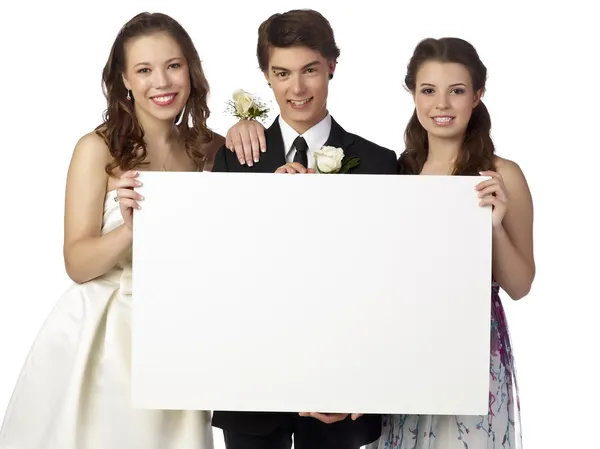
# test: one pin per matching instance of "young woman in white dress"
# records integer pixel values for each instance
(74, 389)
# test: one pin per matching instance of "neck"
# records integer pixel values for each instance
(302, 126)
(443, 151)
(157, 132)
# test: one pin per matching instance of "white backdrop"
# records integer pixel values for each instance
(542, 95)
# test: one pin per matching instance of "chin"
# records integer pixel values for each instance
(448, 136)
(167, 114)
(297, 116)
(306, 116)
(165, 117)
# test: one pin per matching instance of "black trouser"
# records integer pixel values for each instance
(308, 433)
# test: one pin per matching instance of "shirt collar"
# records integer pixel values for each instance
(315, 137)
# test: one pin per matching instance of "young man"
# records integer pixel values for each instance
(297, 53)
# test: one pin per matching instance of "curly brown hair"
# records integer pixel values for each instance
(120, 129)
(477, 151)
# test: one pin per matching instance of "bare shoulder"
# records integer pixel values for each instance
(91, 148)
(88, 163)
(511, 173)
(87, 182)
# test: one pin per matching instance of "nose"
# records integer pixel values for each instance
(298, 85)
(161, 79)
(443, 102)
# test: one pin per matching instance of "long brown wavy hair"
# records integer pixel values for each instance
(120, 129)
(477, 151)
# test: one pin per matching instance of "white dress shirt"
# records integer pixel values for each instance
(315, 138)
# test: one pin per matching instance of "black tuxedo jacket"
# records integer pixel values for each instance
(374, 159)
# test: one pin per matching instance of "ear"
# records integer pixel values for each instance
(266, 75)
(332, 65)
(477, 97)
(125, 82)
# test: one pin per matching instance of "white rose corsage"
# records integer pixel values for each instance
(329, 160)
(246, 106)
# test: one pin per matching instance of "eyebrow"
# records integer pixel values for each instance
(451, 85)
(310, 64)
(167, 62)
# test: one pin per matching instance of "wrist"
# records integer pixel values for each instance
(126, 233)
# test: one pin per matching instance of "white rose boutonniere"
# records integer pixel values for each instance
(246, 106)
(329, 160)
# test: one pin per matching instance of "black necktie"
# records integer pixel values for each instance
(301, 147)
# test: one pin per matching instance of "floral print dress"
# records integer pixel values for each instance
(500, 429)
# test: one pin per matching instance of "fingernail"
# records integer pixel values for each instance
(142, 198)
(263, 150)
(138, 183)
(256, 160)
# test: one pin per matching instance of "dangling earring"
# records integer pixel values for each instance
(128, 94)
(269, 84)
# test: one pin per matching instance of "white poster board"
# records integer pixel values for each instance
(347, 293)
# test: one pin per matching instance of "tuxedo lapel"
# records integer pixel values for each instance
(339, 138)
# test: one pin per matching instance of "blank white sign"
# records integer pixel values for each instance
(348, 293)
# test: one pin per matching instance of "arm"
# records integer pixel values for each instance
(513, 263)
(87, 253)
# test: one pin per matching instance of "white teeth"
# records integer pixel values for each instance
(163, 99)
(443, 119)
(299, 103)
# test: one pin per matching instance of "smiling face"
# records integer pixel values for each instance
(157, 74)
(299, 77)
(444, 99)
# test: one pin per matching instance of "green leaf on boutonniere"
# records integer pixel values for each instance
(246, 106)
(349, 164)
